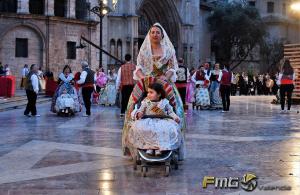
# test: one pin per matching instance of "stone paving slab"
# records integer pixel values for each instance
(77, 155)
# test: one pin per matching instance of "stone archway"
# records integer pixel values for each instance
(35, 47)
(164, 12)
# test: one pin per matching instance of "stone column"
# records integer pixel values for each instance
(71, 9)
(23, 7)
(49, 7)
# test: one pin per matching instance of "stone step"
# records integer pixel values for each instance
(17, 98)
(15, 104)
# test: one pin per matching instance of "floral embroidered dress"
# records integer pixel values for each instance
(65, 101)
(109, 93)
(190, 90)
(65, 84)
(201, 92)
(154, 133)
(215, 99)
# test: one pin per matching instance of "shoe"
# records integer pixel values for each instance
(85, 115)
(122, 115)
(28, 115)
(157, 152)
(150, 152)
(223, 111)
(37, 115)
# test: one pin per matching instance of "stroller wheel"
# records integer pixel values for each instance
(144, 171)
(135, 163)
(167, 171)
(175, 161)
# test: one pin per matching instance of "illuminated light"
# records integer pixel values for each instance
(104, 11)
(105, 2)
(114, 2)
(296, 6)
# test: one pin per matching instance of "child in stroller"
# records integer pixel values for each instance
(65, 104)
(155, 131)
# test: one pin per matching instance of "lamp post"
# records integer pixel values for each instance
(101, 10)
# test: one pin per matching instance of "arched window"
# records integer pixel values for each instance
(8, 6)
(112, 50)
(81, 9)
(36, 7)
(119, 49)
(60, 8)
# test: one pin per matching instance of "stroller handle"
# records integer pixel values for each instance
(157, 116)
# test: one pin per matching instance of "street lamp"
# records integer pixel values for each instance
(101, 10)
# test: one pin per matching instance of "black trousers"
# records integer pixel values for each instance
(182, 92)
(86, 95)
(31, 105)
(288, 90)
(225, 95)
(126, 92)
(233, 89)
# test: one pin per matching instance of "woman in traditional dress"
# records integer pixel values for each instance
(66, 83)
(190, 88)
(201, 81)
(110, 91)
(156, 63)
(216, 101)
(101, 80)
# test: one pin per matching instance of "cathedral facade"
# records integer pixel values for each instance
(47, 32)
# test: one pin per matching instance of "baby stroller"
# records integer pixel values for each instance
(67, 104)
(166, 158)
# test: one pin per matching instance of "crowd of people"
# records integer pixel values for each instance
(4, 70)
(247, 84)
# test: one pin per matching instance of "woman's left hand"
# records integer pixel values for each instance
(163, 77)
(169, 75)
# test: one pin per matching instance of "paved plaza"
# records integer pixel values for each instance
(82, 156)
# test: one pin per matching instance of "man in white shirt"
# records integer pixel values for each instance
(207, 70)
(32, 89)
(87, 81)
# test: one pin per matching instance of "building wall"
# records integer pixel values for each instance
(47, 38)
(48, 34)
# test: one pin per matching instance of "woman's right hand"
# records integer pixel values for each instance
(140, 74)
(163, 77)
(139, 115)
